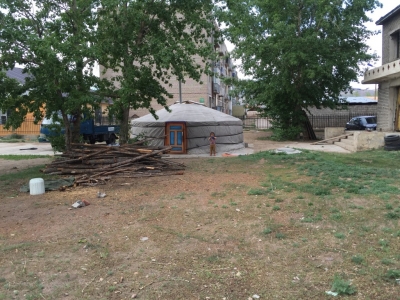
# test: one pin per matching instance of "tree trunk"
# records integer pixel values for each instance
(125, 128)
(68, 133)
(76, 127)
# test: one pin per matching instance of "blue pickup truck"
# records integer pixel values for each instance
(90, 132)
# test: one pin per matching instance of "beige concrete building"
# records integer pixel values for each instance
(212, 92)
(388, 74)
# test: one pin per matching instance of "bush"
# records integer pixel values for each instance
(286, 133)
(57, 139)
(342, 287)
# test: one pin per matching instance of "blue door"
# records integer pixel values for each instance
(175, 137)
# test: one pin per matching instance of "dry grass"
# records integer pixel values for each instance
(209, 235)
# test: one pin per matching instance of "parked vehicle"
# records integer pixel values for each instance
(362, 123)
(90, 132)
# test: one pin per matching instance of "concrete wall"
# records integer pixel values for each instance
(331, 132)
(370, 110)
(388, 42)
(367, 140)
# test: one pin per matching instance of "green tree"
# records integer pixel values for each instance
(146, 43)
(300, 53)
(54, 42)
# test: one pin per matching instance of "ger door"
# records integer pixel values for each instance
(176, 137)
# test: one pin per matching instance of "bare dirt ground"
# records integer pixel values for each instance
(197, 236)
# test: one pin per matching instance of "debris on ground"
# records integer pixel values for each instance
(331, 293)
(52, 185)
(101, 194)
(95, 164)
(287, 150)
(80, 203)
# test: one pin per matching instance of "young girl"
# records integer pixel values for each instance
(212, 140)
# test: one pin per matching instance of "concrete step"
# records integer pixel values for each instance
(348, 141)
(346, 146)
(350, 137)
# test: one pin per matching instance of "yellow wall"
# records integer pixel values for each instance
(28, 127)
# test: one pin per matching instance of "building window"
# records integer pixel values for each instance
(3, 117)
(398, 44)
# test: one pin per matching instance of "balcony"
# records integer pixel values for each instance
(216, 88)
(383, 73)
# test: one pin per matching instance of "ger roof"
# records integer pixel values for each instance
(17, 74)
(388, 16)
(189, 113)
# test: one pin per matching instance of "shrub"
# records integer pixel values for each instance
(342, 286)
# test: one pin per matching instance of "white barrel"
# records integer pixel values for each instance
(36, 186)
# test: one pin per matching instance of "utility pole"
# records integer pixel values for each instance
(180, 91)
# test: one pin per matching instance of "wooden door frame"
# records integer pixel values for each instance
(184, 140)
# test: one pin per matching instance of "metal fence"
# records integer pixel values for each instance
(317, 121)
(339, 120)
(256, 123)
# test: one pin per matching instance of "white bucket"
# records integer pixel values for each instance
(36, 186)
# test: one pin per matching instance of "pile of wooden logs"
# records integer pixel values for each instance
(95, 164)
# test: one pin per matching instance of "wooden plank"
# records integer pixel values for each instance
(334, 138)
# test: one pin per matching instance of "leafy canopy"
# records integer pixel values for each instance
(300, 53)
(53, 41)
(146, 43)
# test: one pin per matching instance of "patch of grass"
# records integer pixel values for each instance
(257, 191)
(384, 243)
(342, 286)
(24, 174)
(357, 259)
(280, 236)
(336, 216)
(22, 246)
(340, 235)
(218, 194)
(22, 157)
(181, 196)
(387, 261)
(310, 217)
(392, 274)
(267, 230)
(276, 208)
(393, 215)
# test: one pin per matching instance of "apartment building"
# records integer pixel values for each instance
(212, 91)
(387, 76)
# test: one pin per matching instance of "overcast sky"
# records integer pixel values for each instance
(374, 42)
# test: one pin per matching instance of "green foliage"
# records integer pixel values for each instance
(267, 230)
(148, 44)
(57, 139)
(357, 259)
(299, 53)
(342, 286)
(392, 274)
(257, 191)
(55, 43)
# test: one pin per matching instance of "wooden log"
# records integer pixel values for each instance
(81, 158)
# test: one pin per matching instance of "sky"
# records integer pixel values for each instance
(375, 42)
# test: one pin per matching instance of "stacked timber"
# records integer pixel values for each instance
(95, 164)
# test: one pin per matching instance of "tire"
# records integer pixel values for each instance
(392, 148)
(392, 138)
(392, 143)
